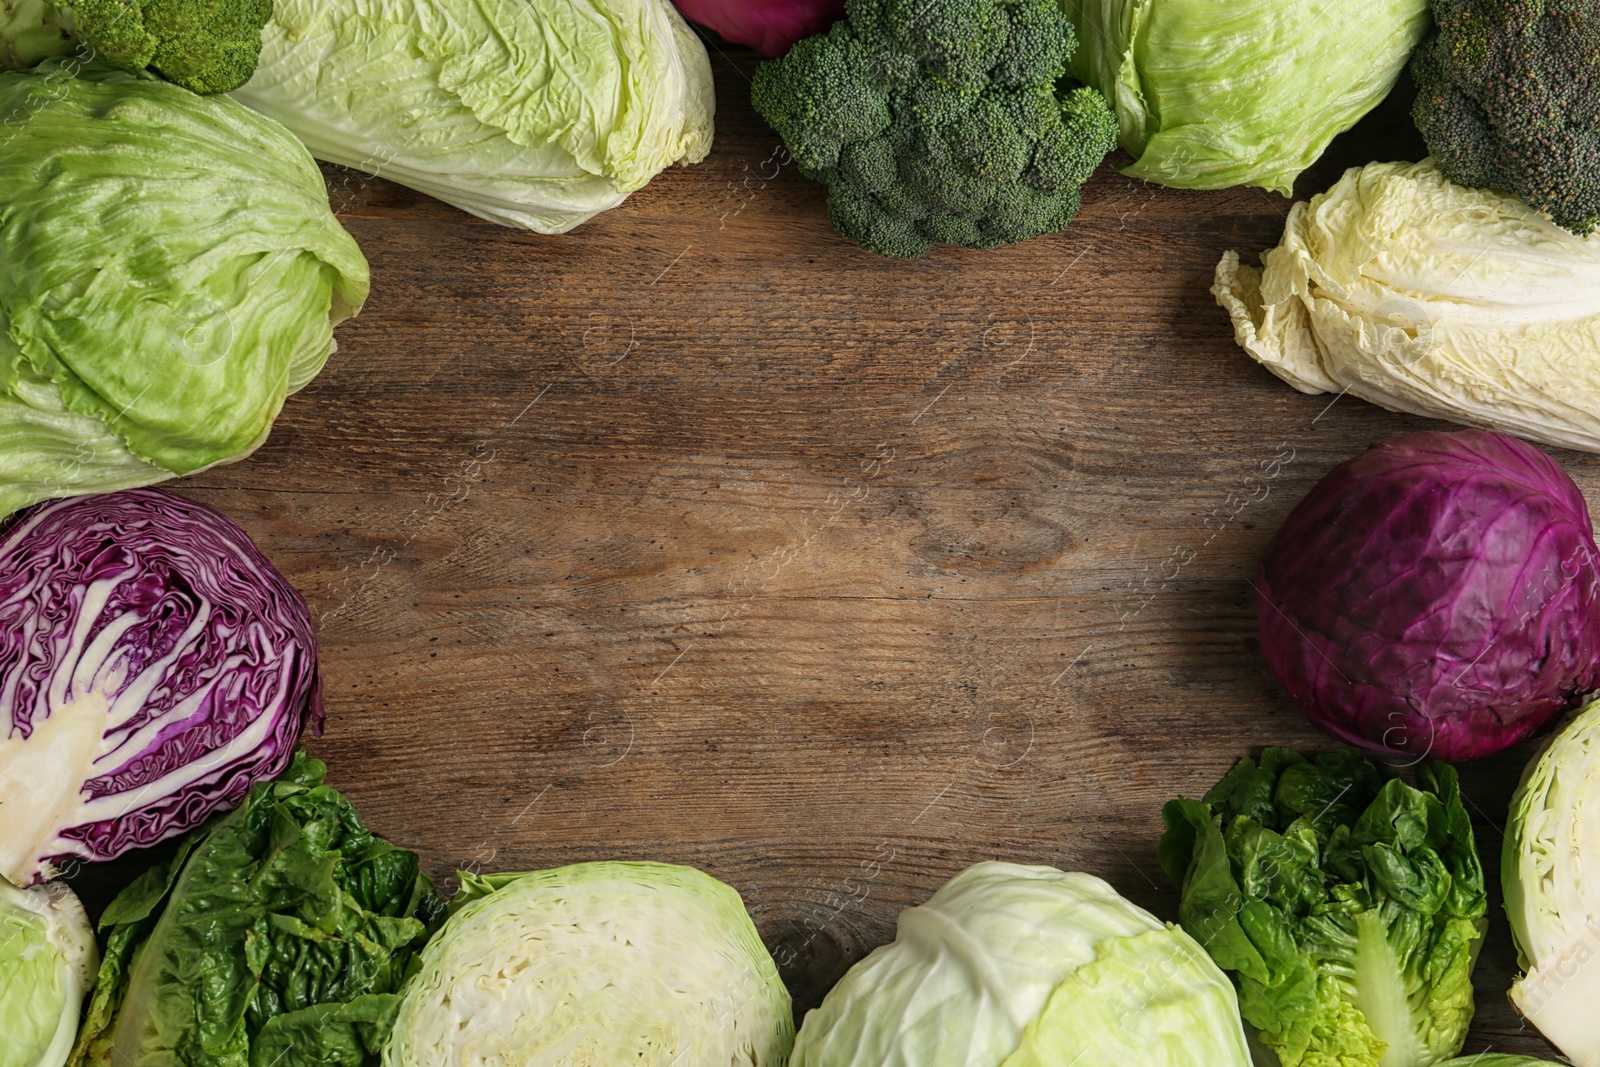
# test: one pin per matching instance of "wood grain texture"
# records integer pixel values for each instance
(702, 535)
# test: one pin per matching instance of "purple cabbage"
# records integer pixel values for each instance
(768, 26)
(1437, 594)
(153, 665)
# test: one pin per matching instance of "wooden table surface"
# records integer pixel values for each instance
(702, 535)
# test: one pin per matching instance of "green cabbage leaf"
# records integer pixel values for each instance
(534, 113)
(1016, 966)
(172, 272)
(32, 31)
(1348, 909)
(279, 936)
(1550, 873)
(1216, 93)
(645, 964)
(47, 963)
(1422, 296)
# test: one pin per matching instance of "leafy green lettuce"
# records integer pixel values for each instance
(279, 936)
(172, 272)
(1348, 909)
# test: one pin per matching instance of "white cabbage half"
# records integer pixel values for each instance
(644, 964)
(1422, 296)
(531, 113)
(47, 963)
(1014, 966)
(1550, 870)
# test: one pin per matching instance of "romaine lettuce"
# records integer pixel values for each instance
(280, 936)
(1348, 909)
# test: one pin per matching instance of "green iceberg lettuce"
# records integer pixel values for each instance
(172, 273)
(1215, 93)
(1017, 966)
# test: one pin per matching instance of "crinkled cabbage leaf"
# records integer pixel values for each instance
(645, 964)
(1216, 93)
(1422, 296)
(172, 273)
(531, 113)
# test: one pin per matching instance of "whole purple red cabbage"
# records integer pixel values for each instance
(153, 665)
(768, 26)
(1438, 594)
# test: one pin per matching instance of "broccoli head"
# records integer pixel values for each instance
(940, 121)
(1509, 99)
(208, 46)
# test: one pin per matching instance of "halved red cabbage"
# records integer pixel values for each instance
(1437, 594)
(153, 664)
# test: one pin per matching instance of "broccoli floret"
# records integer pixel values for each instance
(1509, 99)
(208, 46)
(940, 121)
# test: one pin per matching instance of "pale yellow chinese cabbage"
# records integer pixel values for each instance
(531, 113)
(1422, 296)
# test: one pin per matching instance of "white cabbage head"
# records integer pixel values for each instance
(1013, 966)
(644, 964)
(532, 113)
